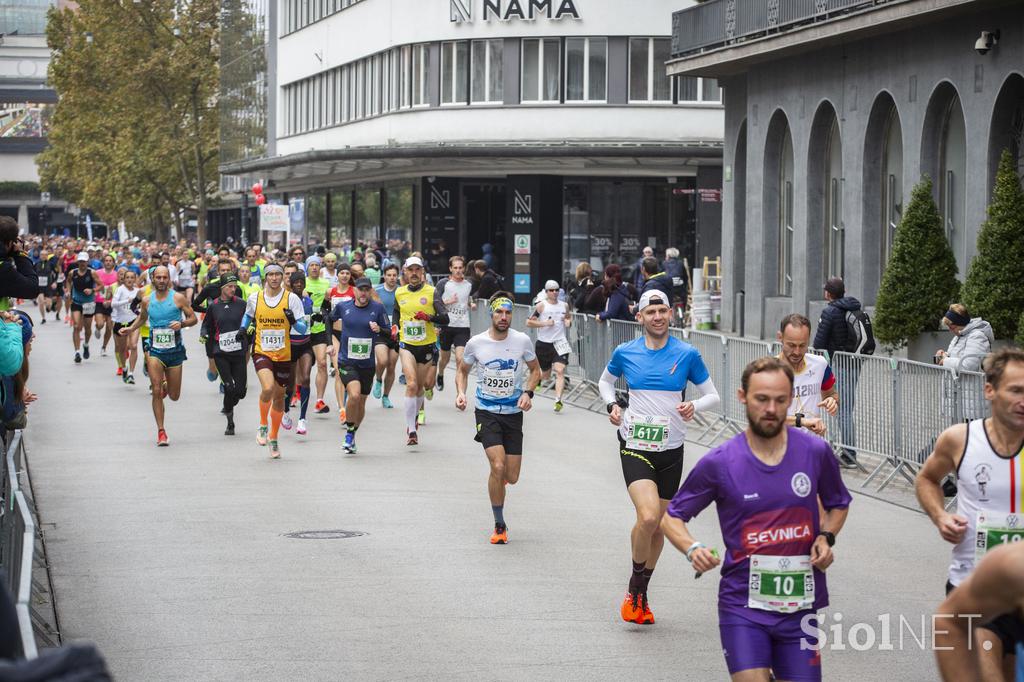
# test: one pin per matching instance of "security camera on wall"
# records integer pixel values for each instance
(986, 42)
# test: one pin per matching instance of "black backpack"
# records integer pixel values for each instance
(859, 336)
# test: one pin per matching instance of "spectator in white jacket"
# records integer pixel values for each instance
(972, 340)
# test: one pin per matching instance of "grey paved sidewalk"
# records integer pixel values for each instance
(174, 561)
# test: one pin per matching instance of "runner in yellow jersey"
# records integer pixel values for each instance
(272, 314)
(418, 309)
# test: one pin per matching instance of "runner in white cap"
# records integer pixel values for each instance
(551, 317)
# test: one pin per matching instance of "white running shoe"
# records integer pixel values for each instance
(286, 422)
(301, 429)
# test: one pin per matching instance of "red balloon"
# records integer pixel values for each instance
(261, 199)
(257, 189)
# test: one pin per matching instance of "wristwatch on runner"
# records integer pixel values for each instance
(830, 538)
(799, 419)
(529, 393)
(610, 406)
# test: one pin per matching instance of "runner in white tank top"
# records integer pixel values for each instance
(551, 318)
(987, 458)
(814, 385)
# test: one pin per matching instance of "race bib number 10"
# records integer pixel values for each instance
(783, 584)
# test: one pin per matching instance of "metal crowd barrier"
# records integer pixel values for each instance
(890, 410)
(18, 539)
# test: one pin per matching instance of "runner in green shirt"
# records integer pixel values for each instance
(320, 337)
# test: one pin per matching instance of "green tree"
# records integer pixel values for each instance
(1019, 339)
(920, 278)
(993, 288)
(134, 135)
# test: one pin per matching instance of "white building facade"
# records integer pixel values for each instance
(447, 125)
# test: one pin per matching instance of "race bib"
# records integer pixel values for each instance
(562, 347)
(162, 338)
(783, 584)
(229, 342)
(499, 383)
(272, 339)
(992, 530)
(458, 316)
(647, 433)
(89, 308)
(42, 280)
(359, 349)
(414, 330)
(335, 300)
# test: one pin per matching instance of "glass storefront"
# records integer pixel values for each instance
(358, 218)
(341, 219)
(611, 221)
(399, 220)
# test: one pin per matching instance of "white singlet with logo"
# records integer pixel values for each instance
(551, 311)
(987, 483)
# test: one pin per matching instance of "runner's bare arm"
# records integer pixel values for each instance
(995, 587)
(534, 319)
(140, 320)
(677, 532)
(186, 309)
(945, 459)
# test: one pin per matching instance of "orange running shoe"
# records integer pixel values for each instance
(161, 438)
(646, 615)
(342, 415)
(632, 611)
(120, 371)
(500, 535)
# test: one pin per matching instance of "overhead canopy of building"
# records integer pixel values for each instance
(379, 164)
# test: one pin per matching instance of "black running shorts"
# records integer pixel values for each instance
(546, 356)
(364, 375)
(505, 430)
(453, 337)
(424, 355)
(664, 468)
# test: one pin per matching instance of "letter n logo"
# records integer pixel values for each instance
(523, 204)
(460, 11)
(440, 198)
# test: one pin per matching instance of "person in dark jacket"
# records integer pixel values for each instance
(18, 278)
(489, 284)
(675, 269)
(833, 335)
(581, 290)
(637, 279)
(656, 279)
(618, 298)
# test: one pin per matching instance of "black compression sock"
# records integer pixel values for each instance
(646, 579)
(636, 579)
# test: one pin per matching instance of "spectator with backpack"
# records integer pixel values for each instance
(844, 327)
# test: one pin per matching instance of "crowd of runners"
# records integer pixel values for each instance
(305, 321)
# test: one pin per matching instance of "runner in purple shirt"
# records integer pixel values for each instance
(766, 483)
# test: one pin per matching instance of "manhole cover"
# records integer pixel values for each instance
(324, 534)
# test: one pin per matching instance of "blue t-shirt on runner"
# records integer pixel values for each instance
(356, 335)
(387, 298)
(656, 381)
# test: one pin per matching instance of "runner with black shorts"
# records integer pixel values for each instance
(551, 318)
(316, 289)
(455, 295)
(987, 458)
(767, 484)
(651, 431)
(361, 319)
(386, 345)
(418, 312)
(503, 354)
(126, 348)
(302, 354)
(84, 283)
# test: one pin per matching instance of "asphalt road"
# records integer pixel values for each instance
(177, 563)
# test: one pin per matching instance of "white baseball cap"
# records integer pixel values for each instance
(652, 297)
(83, 257)
(413, 260)
(551, 284)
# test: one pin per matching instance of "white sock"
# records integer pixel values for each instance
(410, 413)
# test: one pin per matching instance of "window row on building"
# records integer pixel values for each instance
(297, 14)
(473, 72)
